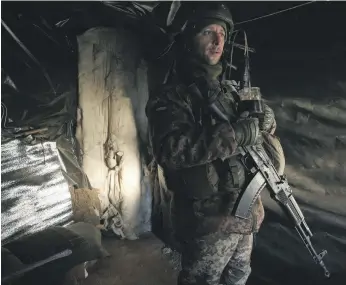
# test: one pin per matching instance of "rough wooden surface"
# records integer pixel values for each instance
(86, 206)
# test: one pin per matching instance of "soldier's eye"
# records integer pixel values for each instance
(207, 32)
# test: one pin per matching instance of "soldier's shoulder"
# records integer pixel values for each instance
(230, 91)
(162, 95)
(230, 85)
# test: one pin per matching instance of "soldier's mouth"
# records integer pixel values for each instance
(214, 52)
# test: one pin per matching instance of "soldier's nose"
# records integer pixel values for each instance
(217, 39)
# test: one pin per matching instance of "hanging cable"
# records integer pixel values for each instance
(275, 13)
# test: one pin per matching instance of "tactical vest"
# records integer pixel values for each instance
(203, 197)
(202, 181)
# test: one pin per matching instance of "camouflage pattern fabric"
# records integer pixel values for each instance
(184, 137)
(179, 138)
(216, 259)
(198, 156)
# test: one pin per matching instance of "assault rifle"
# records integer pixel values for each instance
(263, 170)
(265, 175)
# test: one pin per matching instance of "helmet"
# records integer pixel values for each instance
(214, 11)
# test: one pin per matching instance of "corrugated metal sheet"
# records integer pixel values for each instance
(34, 192)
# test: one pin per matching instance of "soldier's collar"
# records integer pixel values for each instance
(191, 67)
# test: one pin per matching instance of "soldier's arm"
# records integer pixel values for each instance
(178, 141)
(269, 124)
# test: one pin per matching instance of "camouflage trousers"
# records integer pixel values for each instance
(216, 259)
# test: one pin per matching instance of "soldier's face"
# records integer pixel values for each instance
(209, 43)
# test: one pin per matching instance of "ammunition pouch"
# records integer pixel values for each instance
(200, 182)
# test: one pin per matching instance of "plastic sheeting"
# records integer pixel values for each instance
(70, 162)
(34, 192)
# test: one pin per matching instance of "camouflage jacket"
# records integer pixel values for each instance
(198, 154)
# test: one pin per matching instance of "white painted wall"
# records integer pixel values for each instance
(113, 92)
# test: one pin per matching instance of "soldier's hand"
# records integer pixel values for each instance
(247, 131)
(267, 123)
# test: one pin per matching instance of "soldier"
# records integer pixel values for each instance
(199, 158)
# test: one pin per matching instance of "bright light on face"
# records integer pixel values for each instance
(209, 43)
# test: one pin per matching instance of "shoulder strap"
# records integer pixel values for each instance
(230, 90)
